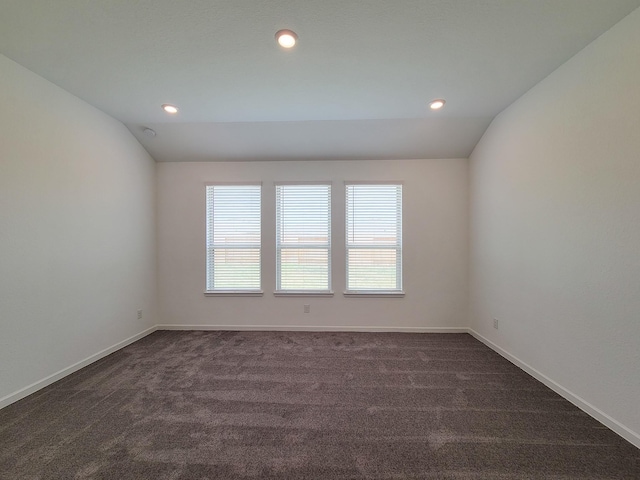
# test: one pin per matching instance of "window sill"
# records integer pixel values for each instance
(294, 293)
(374, 294)
(234, 293)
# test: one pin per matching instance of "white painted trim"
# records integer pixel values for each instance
(579, 402)
(34, 387)
(373, 294)
(302, 293)
(314, 328)
(234, 293)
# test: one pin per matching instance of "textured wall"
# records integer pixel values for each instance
(555, 227)
(77, 230)
(435, 246)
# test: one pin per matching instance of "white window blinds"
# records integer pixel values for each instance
(233, 238)
(374, 237)
(303, 238)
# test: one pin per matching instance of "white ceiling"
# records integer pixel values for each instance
(356, 86)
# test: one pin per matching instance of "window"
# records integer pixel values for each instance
(374, 238)
(303, 238)
(233, 238)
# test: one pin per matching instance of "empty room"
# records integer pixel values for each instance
(341, 239)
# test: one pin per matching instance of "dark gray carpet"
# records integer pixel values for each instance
(218, 405)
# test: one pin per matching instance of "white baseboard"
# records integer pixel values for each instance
(579, 402)
(314, 328)
(34, 387)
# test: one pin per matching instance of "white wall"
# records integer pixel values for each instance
(435, 246)
(555, 228)
(77, 231)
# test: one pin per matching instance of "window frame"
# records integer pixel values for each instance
(208, 246)
(279, 292)
(398, 247)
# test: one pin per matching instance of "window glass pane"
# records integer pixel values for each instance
(303, 237)
(374, 237)
(304, 269)
(237, 269)
(233, 237)
(372, 269)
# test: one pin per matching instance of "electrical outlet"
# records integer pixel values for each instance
(495, 323)
(139, 314)
(307, 308)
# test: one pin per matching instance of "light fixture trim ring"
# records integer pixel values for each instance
(171, 109)
(437, 103)
(285, 32)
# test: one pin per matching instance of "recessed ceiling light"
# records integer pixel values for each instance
(437, 104)
(172, 109)
(286, 38)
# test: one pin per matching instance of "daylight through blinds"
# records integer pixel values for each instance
(374, 237)
(303, 237)
(233, 237)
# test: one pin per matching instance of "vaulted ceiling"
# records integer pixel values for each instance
(356, 86)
